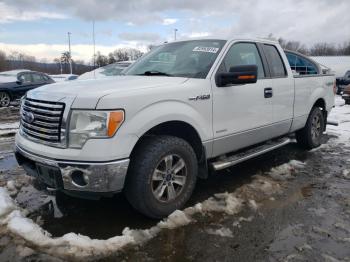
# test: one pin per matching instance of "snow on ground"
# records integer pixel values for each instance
(222, 232)
(341, 114)
(77, 246)
(8, 128)
(73, 245)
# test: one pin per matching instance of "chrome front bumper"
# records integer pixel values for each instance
(94, 177)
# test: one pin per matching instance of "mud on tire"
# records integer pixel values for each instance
(161, 176)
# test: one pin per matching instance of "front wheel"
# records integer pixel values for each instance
(311, 135)
(162, 175)
(4, 99)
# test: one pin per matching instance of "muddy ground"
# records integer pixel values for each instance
(305, 216)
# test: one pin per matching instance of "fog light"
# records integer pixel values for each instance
(78, 178)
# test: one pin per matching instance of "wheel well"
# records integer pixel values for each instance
(178, 129)
(321, 104)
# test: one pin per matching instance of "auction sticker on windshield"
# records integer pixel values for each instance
(206, 49)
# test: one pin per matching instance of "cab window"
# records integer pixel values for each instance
(243, 54)
(274, 61)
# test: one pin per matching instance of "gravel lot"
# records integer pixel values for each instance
(287, 205)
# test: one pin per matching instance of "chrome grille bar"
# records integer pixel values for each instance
(41, 120)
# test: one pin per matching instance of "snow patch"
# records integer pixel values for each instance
(346, 174)
(340, 114)
(7, 204)
(8, 128)
(253, 204)
(285, 171)
(223, 232)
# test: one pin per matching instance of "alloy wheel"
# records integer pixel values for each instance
(169, 178)
(4, 99)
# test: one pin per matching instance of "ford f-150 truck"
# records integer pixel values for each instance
(182, 110)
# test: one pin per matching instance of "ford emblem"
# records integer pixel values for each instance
(29, 117)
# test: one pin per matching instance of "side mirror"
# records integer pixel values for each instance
(238, 75)
(19, 82)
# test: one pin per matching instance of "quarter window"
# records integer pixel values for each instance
(301, 65)
(274, 61)
(243, 54)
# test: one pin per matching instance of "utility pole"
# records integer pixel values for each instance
(94, 43)
(70, 54)
(175, 30)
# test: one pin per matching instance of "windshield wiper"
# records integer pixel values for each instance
(155, 73)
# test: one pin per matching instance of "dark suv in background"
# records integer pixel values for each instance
(342, 82)
(14, 84)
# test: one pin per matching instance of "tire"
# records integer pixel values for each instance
(311, 135)
(5, 99)
(144, 185)
(347, 102)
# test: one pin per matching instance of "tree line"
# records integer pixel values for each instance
(61, 65)
(318, 49)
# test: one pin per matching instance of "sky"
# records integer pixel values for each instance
(40, 27)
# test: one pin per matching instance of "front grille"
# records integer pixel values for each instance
(42, 119)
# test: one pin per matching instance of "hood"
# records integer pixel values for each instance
(86, 93)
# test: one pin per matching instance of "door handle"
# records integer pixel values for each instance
(268, 92)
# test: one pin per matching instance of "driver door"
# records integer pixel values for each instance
(241, 113)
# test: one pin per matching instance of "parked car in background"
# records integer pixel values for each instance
(183, 109)
(106, 71)
(346, 94)
(63, 77)
(14, 84)
(342, 82)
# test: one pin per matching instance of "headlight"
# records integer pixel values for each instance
(93, 124)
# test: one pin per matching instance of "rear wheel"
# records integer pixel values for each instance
(162, 176)
(4, 99)
(311, 135)
(347, 102)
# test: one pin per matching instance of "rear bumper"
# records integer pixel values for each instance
(92, 177)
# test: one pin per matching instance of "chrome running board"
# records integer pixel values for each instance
(250, 153)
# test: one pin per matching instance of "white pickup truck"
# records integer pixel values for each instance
(183, 109)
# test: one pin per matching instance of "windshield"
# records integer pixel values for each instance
(112, 70)
(191, 59)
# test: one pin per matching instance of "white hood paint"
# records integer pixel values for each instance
(88, 92)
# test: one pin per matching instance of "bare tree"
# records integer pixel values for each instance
(323, 49)
(293, 46)
(101, 60)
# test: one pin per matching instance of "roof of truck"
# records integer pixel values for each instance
(262, 40)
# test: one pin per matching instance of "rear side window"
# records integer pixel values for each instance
(274, 61)
(243, 54)
(46, 78)
(37, 78)
(301, 65)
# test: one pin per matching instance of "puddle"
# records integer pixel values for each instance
(306, 191)
(8, 162)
